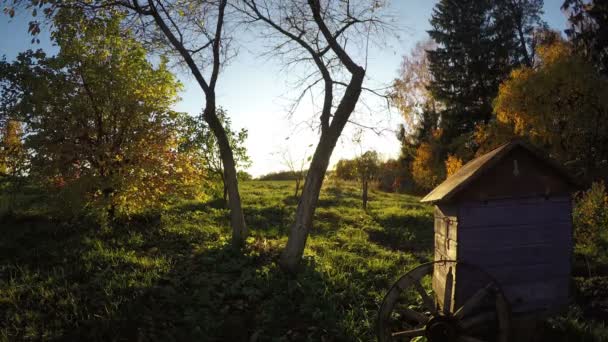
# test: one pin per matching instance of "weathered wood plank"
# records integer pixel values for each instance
(440, 276)
(516, 235)
(507, 275)
(547, 294)
(446, 247)
(550, 293)
(446, 228)
(447, 210)
(520, 255)
(505, 213)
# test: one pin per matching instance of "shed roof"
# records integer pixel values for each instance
(478, 166)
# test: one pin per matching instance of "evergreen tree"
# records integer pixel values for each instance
(479, 43)
(589, 30)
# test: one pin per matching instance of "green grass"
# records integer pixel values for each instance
(172, 276)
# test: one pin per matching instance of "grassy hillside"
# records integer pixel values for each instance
(172, 276)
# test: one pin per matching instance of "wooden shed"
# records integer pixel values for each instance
(509, 213)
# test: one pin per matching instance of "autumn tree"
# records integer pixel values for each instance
(98, 116)
(419, 108)
(560, 105)
(13, 156)
(452, 165)
(411, 94)
(194, 33)
(590, 220)
(314, 34)
(428, 169)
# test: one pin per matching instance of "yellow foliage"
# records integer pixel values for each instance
(12, 153)
(452, 164)
(103, 130)
(561, 104)
(427, 167)
(553, 52)
(590, 218)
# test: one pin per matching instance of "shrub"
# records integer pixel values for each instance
(590, 218)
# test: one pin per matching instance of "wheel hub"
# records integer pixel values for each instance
(441, 329)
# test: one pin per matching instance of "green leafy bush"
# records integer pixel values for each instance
(590, 218)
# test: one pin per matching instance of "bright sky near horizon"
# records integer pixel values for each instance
(256, 91)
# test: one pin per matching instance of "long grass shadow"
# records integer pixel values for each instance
(334, 196)
(144, 281)
(268, 220)
(73, 281)
(404, 232)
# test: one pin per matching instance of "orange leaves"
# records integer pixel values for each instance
(560, 104)
(427, 168)
(452, 164)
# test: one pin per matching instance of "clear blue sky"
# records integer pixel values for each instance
(256, 92)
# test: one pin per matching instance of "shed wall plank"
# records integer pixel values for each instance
(520, 255)
(491, 237)
(500, 213)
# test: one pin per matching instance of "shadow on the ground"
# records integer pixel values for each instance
(141, 281)
(144, 280)
(272, 220)
(404, 232)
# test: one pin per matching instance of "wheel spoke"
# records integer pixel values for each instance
(468, 339)
(504, 323)
(428, 302)
(413, 315)
(409, 333)
(473, 302)
(470, 322)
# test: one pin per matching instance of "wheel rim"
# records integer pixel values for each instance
(411, 310)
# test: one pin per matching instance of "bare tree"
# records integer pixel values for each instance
(296, 166)
(315, 33)
(193, 31)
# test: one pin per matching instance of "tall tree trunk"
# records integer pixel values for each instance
(299, 230)
(298, 233)
(364, 194)
(224, 186)
(237, 219)
(298, 181)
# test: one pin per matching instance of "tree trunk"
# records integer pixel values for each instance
(237, 219)
(298, 232)
(364, 194)
(297, 187)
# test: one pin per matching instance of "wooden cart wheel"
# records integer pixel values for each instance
(412, 312)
